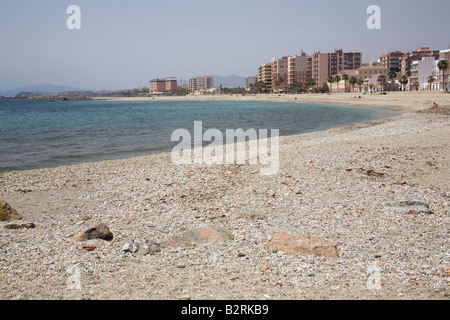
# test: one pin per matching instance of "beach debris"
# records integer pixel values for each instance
(89, 247)
(409, 207)
(141, 246)
(7, 213)
(20, 226)
(301, 244)
(202, 234)
(264, 268)
(374, 173)
(100, 231)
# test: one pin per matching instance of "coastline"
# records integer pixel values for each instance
(405, 101)
(334, 184)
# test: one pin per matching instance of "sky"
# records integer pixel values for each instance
(124, 44)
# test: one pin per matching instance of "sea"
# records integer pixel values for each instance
(50, 133)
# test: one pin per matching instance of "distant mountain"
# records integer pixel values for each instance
(41, 88)
(232, 81)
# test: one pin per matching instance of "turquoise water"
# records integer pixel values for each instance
(44, 133)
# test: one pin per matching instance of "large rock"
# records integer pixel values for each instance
(302, 245)
(100, 231)
(7, 213)
(202, 234)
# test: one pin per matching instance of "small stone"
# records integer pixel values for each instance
(181, 265)
(20, 226)
(88, 247)
(264, 268)
(7, 213)
(101, 231)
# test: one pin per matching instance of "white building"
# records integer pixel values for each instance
(421, 70)
(444, 55)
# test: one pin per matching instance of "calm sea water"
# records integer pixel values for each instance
(45, 133)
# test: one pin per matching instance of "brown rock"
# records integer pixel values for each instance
(303, 245)
(20, 226)
(208, 234)
(7, 213)
(100, 231)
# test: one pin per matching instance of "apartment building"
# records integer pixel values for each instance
(279, 73)
(162, 85)
(200, 83)
(299, 68)
(328, 64)
(391, 61)
(370, 71)
(444, 55)
(265, 74)
(421, 70)
(251, 80)
(408, 58)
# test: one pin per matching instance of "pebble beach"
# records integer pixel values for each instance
(371, 199)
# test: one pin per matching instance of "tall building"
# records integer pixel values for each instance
(265, 75)
(279, 73)
(421, 70)
(408, 58)
(391, 61)
(162, 85)
(445, 80)
(201, 83)
(339, 61)
(250, 80)
(324, 65)
(298, 68)
(320, 71)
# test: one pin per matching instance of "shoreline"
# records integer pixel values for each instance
(346, 185)
(405, 101)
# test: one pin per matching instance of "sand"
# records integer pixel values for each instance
(347, 186)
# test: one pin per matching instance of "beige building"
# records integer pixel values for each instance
(299, 68)
(265, 75)
(279, 73)
(369, 71)
(330, 64)
(200, 83)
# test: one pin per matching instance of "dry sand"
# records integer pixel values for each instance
(344, 185)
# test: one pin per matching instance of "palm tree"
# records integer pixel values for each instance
(330, 81)
(296, 85)
(443, 66)
(353, 81)
(360, 82)
(382, 80)
(416, 85)
(345, 78)
(404, 82)
(310, 83)
(260, 86)
(431, 79)
(392, 75)
(337, 79)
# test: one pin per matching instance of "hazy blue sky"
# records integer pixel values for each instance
(123, 44)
